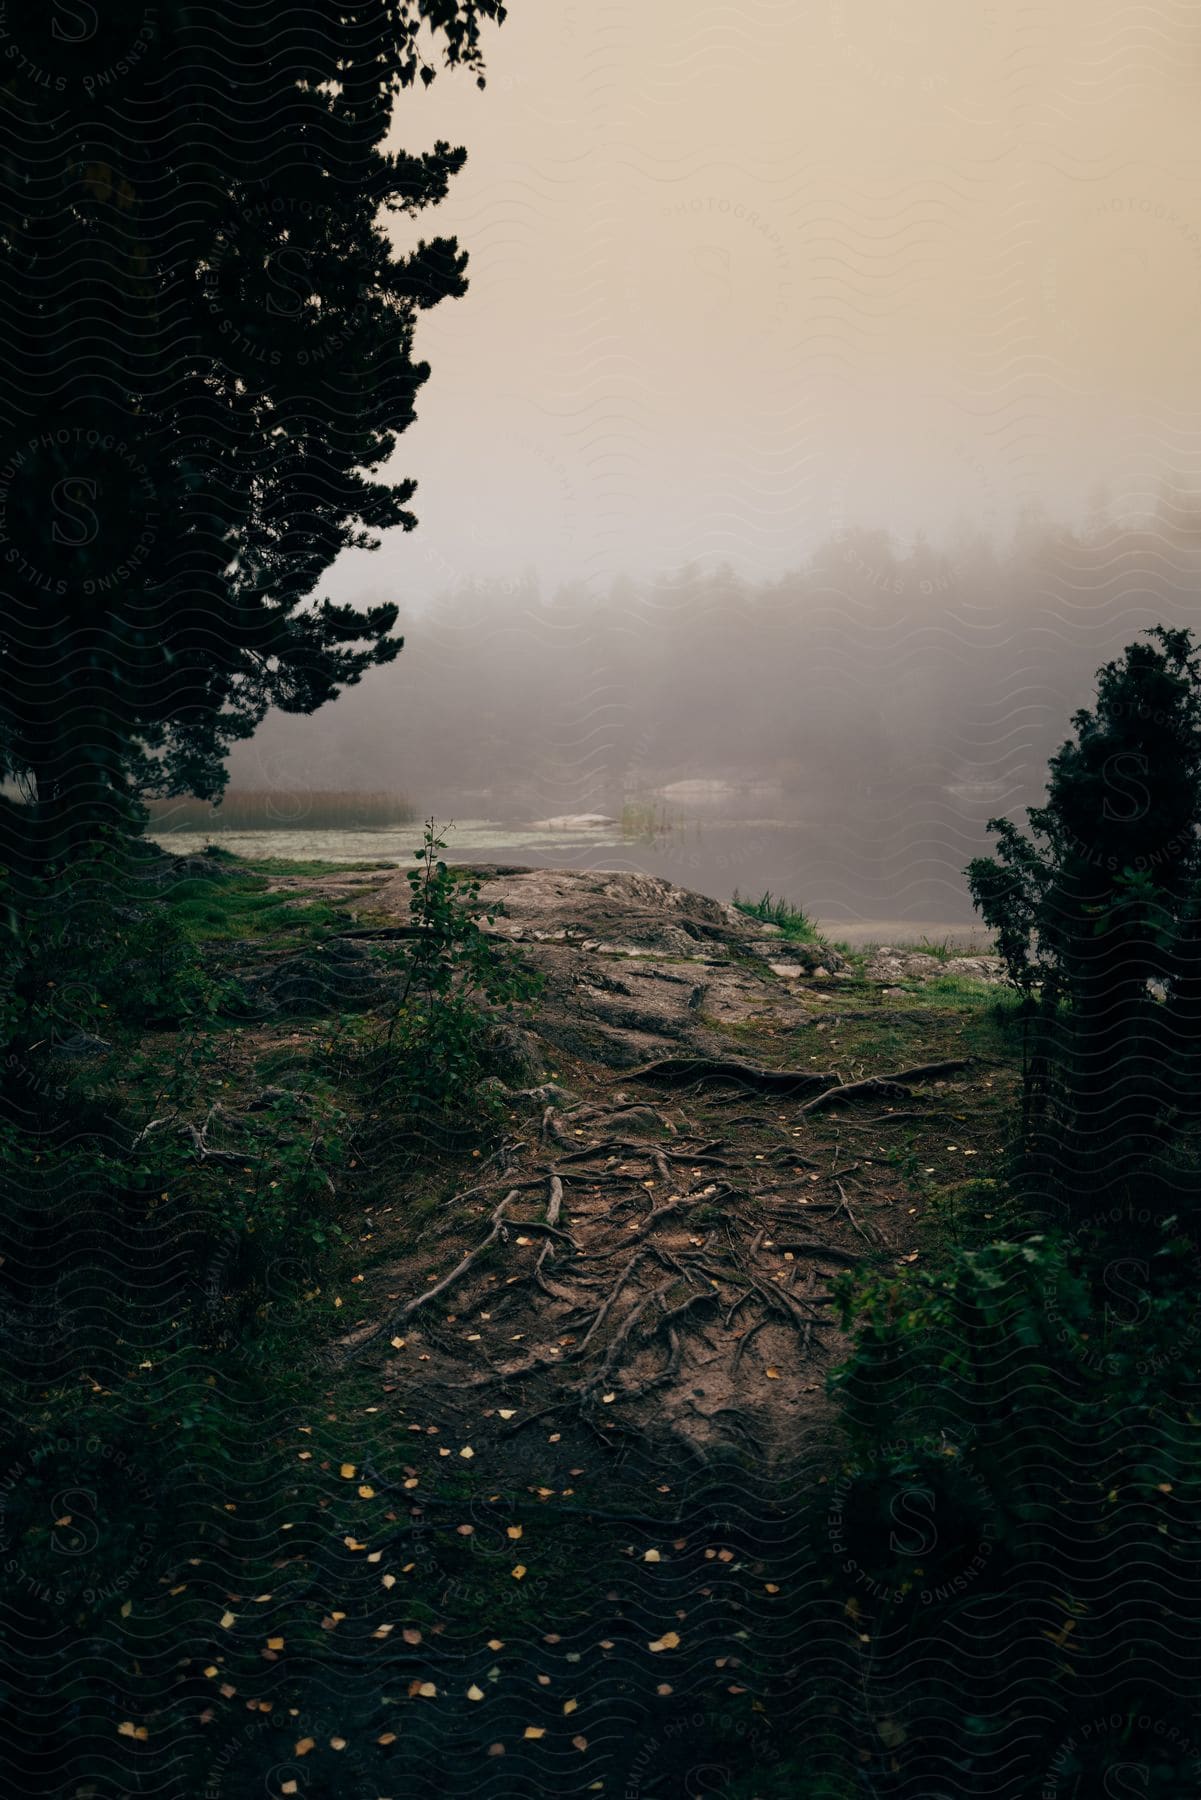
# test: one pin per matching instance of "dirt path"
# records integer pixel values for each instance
(690, 1163)
(563, 1474)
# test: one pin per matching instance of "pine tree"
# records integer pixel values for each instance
(1098, 916)
(209, 343)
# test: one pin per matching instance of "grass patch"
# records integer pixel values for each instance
(240, 905)
(953, 990)
(773, 909)
(308, 866)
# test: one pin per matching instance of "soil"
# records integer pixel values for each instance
(674, 1197)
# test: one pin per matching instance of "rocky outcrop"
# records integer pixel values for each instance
(636, 968)
(892, 967)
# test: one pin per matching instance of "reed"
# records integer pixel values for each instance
(283, 809)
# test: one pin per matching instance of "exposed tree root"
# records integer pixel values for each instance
(650, 1317)
(850, 1259)
(891, 1086)
(744, 1342)
(870, 1235)
(674, 1205)
(540, 1281)
(784, 1153)
(551, 1128)
(607, 1305)
(498, 1227)
(621, 1337)
(698, 1070)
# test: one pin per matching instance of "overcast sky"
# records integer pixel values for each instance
(744, 271)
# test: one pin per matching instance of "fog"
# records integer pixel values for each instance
(863, 716)
(759, 295)
(743, 274)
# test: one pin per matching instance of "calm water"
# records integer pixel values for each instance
(864, 893)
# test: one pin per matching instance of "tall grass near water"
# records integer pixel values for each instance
(283, 809)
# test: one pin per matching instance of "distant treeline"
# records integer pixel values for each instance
(899, 691)
(282, 809)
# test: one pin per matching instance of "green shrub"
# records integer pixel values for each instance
(88, 949)
(458, 983)
(1021, 1494)
(1098, 918)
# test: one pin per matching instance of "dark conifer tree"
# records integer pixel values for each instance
(209, 339)
(1097, 913)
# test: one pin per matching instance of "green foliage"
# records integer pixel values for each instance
(772, 909)
(1098, 917)
(456, 981)
(238, 905)
(87, 949)
(168, 1226)
(301, 865)
(1026, 1405)
(240, 377)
